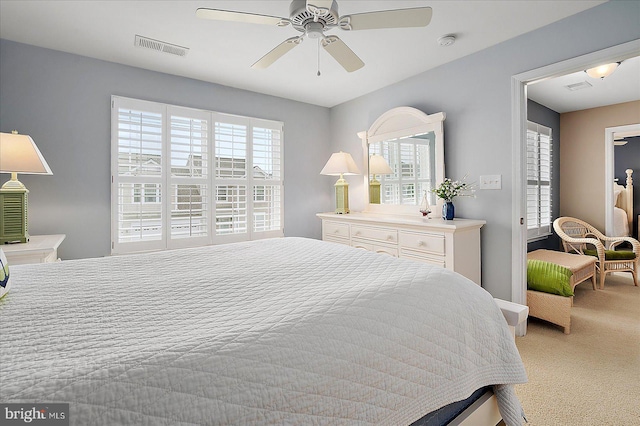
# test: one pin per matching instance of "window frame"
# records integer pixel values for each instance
(168, 182)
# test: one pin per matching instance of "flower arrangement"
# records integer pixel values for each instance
(449, 189)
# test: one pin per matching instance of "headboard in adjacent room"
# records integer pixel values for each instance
(624, 201)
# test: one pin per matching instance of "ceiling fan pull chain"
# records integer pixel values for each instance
(318, 57)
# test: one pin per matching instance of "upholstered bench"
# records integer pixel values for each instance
(553, 307)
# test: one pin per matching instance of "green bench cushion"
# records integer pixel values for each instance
(612, 254)
(549, 278)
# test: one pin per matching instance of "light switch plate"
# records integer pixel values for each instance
(491, 182)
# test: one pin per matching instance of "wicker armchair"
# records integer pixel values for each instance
(581, 238)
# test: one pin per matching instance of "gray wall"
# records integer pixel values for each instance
(540, 114)
(475, 93)
(63, 102)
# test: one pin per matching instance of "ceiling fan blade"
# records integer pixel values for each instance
(399, 18)
(277, 52)
(341, 53)
(252, 18)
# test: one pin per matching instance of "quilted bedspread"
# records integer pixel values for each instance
(284, 331)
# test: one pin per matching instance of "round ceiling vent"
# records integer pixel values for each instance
(447, 40)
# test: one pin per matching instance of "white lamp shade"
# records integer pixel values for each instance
(340, 163)
(19, 154)
(378, 165)
(602, 71)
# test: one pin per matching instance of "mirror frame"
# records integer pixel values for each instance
(398, 123)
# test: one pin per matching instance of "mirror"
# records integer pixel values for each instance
(411, 143)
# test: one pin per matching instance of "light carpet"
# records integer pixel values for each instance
(591, 376)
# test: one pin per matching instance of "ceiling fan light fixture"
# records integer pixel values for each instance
(602, 71)
(314, 30)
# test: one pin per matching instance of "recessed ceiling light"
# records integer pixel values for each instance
(447, 40)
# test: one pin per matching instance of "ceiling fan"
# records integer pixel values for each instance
(315, 17)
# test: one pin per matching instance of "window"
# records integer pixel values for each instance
(539, 159)
(184, 177)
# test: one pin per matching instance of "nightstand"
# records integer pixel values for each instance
(39, 249)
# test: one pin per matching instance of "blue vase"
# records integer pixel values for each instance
(448, 210)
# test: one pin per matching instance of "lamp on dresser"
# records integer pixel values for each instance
(18, 154)
(377, 166)
(340, 164)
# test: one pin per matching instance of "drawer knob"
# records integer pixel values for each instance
(389, 237)
(357, 232)
(337, 231)
(420, 243)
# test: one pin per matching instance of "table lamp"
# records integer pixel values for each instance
(377, 166)
(341, 163)
(18, 154)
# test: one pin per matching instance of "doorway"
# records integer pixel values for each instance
(519, 85)
(610, 138)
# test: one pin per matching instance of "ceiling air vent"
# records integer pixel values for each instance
(578, 86)
(160, 46)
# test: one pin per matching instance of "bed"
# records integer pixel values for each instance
(278, 331)
(623, 209)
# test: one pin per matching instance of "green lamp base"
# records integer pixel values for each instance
(13, 215)
(342, 196)
(374, 191)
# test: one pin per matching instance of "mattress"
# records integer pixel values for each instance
(280, 331)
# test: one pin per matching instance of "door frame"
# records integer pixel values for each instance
(519, 84)
(609, 170)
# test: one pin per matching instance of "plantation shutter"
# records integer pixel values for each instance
(184, 177)
(539, 216)
(267, 178)
(231, 137)
(137, 157)
(189, 181)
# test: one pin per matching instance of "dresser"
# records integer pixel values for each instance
(452, 244)
(39, 249)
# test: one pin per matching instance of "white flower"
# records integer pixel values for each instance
(449, 189)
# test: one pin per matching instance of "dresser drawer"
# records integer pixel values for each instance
(386, 235)
(390, 249)
(333, 230)
(336, 240)
(422, 257)
(362, 245)
(432, 243)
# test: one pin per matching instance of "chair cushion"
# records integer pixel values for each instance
(549, 277)
(613, 254)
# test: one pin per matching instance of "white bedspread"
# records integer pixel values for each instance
(620, 223)
(282, 331)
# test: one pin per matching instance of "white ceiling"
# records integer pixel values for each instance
(222, 52)
(621, 86)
